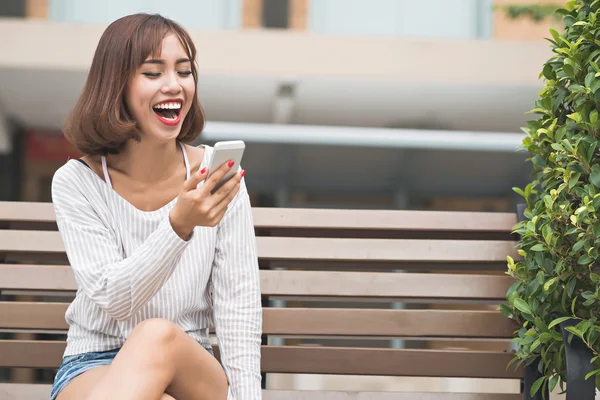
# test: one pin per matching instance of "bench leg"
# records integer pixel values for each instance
(578, 358)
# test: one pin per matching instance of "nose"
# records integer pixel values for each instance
(171, 83)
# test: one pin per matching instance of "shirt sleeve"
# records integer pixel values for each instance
(120, 286)
(237, 301)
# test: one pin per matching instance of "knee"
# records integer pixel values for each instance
(156, 333)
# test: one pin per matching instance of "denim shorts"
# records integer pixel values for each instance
(73, 366)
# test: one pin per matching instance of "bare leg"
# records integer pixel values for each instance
(157, 358)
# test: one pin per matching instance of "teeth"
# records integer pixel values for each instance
(168, 106)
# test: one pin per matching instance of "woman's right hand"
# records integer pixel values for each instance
(197, 206)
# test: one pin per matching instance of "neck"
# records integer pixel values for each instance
(147, 161)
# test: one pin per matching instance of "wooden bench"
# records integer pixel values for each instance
(447, 268)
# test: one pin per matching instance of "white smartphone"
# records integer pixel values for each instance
(223, 152)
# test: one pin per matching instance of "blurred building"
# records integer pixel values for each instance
(343, 103)
(391, 104)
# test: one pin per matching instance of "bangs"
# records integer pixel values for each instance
(147, 40)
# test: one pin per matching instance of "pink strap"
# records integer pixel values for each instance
(105, 169)
(186, 161)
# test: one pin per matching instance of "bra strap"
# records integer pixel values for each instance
(186, 161)
(105, 169)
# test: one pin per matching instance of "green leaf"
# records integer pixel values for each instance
(571, 286)
(594, 372)
(539, 247)
(595, 175)
(544, 337)
(522, 306)
(540, 325)
(577, 89)
(535, 345)
(575, 116)
(589, 154)
(553, 383)
(540, 277)
(579, 245)
(536, 386)
(505, 310)
(512, 289)
(548, 72)
(595, 86)
(589, 78)
(558, 321)
(565, 142)
(555, 34)
(596, 228)
(519, 191)
(593, 119)
(574, 331)
(549, 284)
(557, 147)
(574, 179)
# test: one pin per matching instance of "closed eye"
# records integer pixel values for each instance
(185, 73)
(151, 74)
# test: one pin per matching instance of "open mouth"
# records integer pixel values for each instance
(168, 111)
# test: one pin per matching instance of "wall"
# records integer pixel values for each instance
(207, 14)
(457, 19)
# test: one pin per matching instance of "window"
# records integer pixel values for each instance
(276, 14)
(12, 8)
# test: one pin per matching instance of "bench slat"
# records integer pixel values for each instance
(324, 395)
(304, 283)
(16, 391)
(316, 360)
(312, 321)
(399, 323)
(316, 249)
(21, 211)
(322, 218)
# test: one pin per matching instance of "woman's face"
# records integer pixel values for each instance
(160, 93)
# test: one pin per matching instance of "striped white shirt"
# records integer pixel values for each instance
(130, 266)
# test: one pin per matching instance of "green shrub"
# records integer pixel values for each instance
(558, 278)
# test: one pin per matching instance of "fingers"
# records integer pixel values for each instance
(228, 186)
(195, 179)
(228, 194)
(221, 207)
(217, 175)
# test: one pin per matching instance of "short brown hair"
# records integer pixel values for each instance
(100, 122)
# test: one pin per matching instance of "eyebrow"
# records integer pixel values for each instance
(159, 61)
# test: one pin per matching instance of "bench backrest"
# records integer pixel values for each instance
(342, 257)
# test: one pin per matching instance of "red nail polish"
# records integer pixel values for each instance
(243, 173)
(203, 170)
(230, 163)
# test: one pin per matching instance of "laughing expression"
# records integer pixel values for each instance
(160, 93)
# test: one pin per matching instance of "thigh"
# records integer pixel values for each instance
(158, 358)
(199, 374)
(81, 386)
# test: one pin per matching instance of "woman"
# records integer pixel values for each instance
(157, 258)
